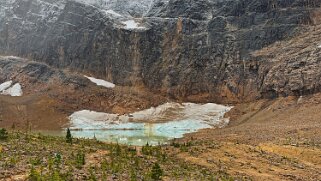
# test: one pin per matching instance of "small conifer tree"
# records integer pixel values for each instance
(80, 160)
(68, 136)
(157, 172)
(3, 134)
(133, 175)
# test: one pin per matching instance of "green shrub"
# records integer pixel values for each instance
(80, 160)
(133, 175)
(34, 175)
(157, 172)
(92, 176)
(3, 134)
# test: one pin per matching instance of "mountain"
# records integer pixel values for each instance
(146, 72)
(202, 50)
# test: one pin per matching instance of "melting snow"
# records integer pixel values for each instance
(176, 120)
(319, 46)
(11, 57)
(101, 82)
(15, 90)
(5, 85)
(131, 24)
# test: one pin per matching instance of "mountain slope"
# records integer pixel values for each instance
(194, 50)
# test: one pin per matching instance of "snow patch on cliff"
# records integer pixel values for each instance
(5, 85)
(101, 82)
(15, 90)
(132, 25)
(112, 12)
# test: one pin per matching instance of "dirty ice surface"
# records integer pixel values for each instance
(101, 82)
(154, 125)
(7, 89)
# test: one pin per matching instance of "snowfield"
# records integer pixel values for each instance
(101, 82)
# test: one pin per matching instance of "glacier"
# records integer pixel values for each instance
(154, 125)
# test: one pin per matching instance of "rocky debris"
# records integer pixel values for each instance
(195, 50)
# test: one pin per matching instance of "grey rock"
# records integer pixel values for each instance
(25, 71)
(183, 49)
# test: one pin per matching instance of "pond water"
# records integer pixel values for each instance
(157, 125)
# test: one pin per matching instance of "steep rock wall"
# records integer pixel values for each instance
(197, 50)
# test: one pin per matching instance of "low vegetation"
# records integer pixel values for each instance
(3, 134)
(38, 157)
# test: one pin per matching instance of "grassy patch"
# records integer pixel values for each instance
(41, 157)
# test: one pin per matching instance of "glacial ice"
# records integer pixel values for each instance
(157, 124)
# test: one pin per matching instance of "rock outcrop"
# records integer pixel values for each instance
(197, 50)
(67, 91)
(38, 77)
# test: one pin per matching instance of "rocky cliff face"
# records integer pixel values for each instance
(196, 50)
